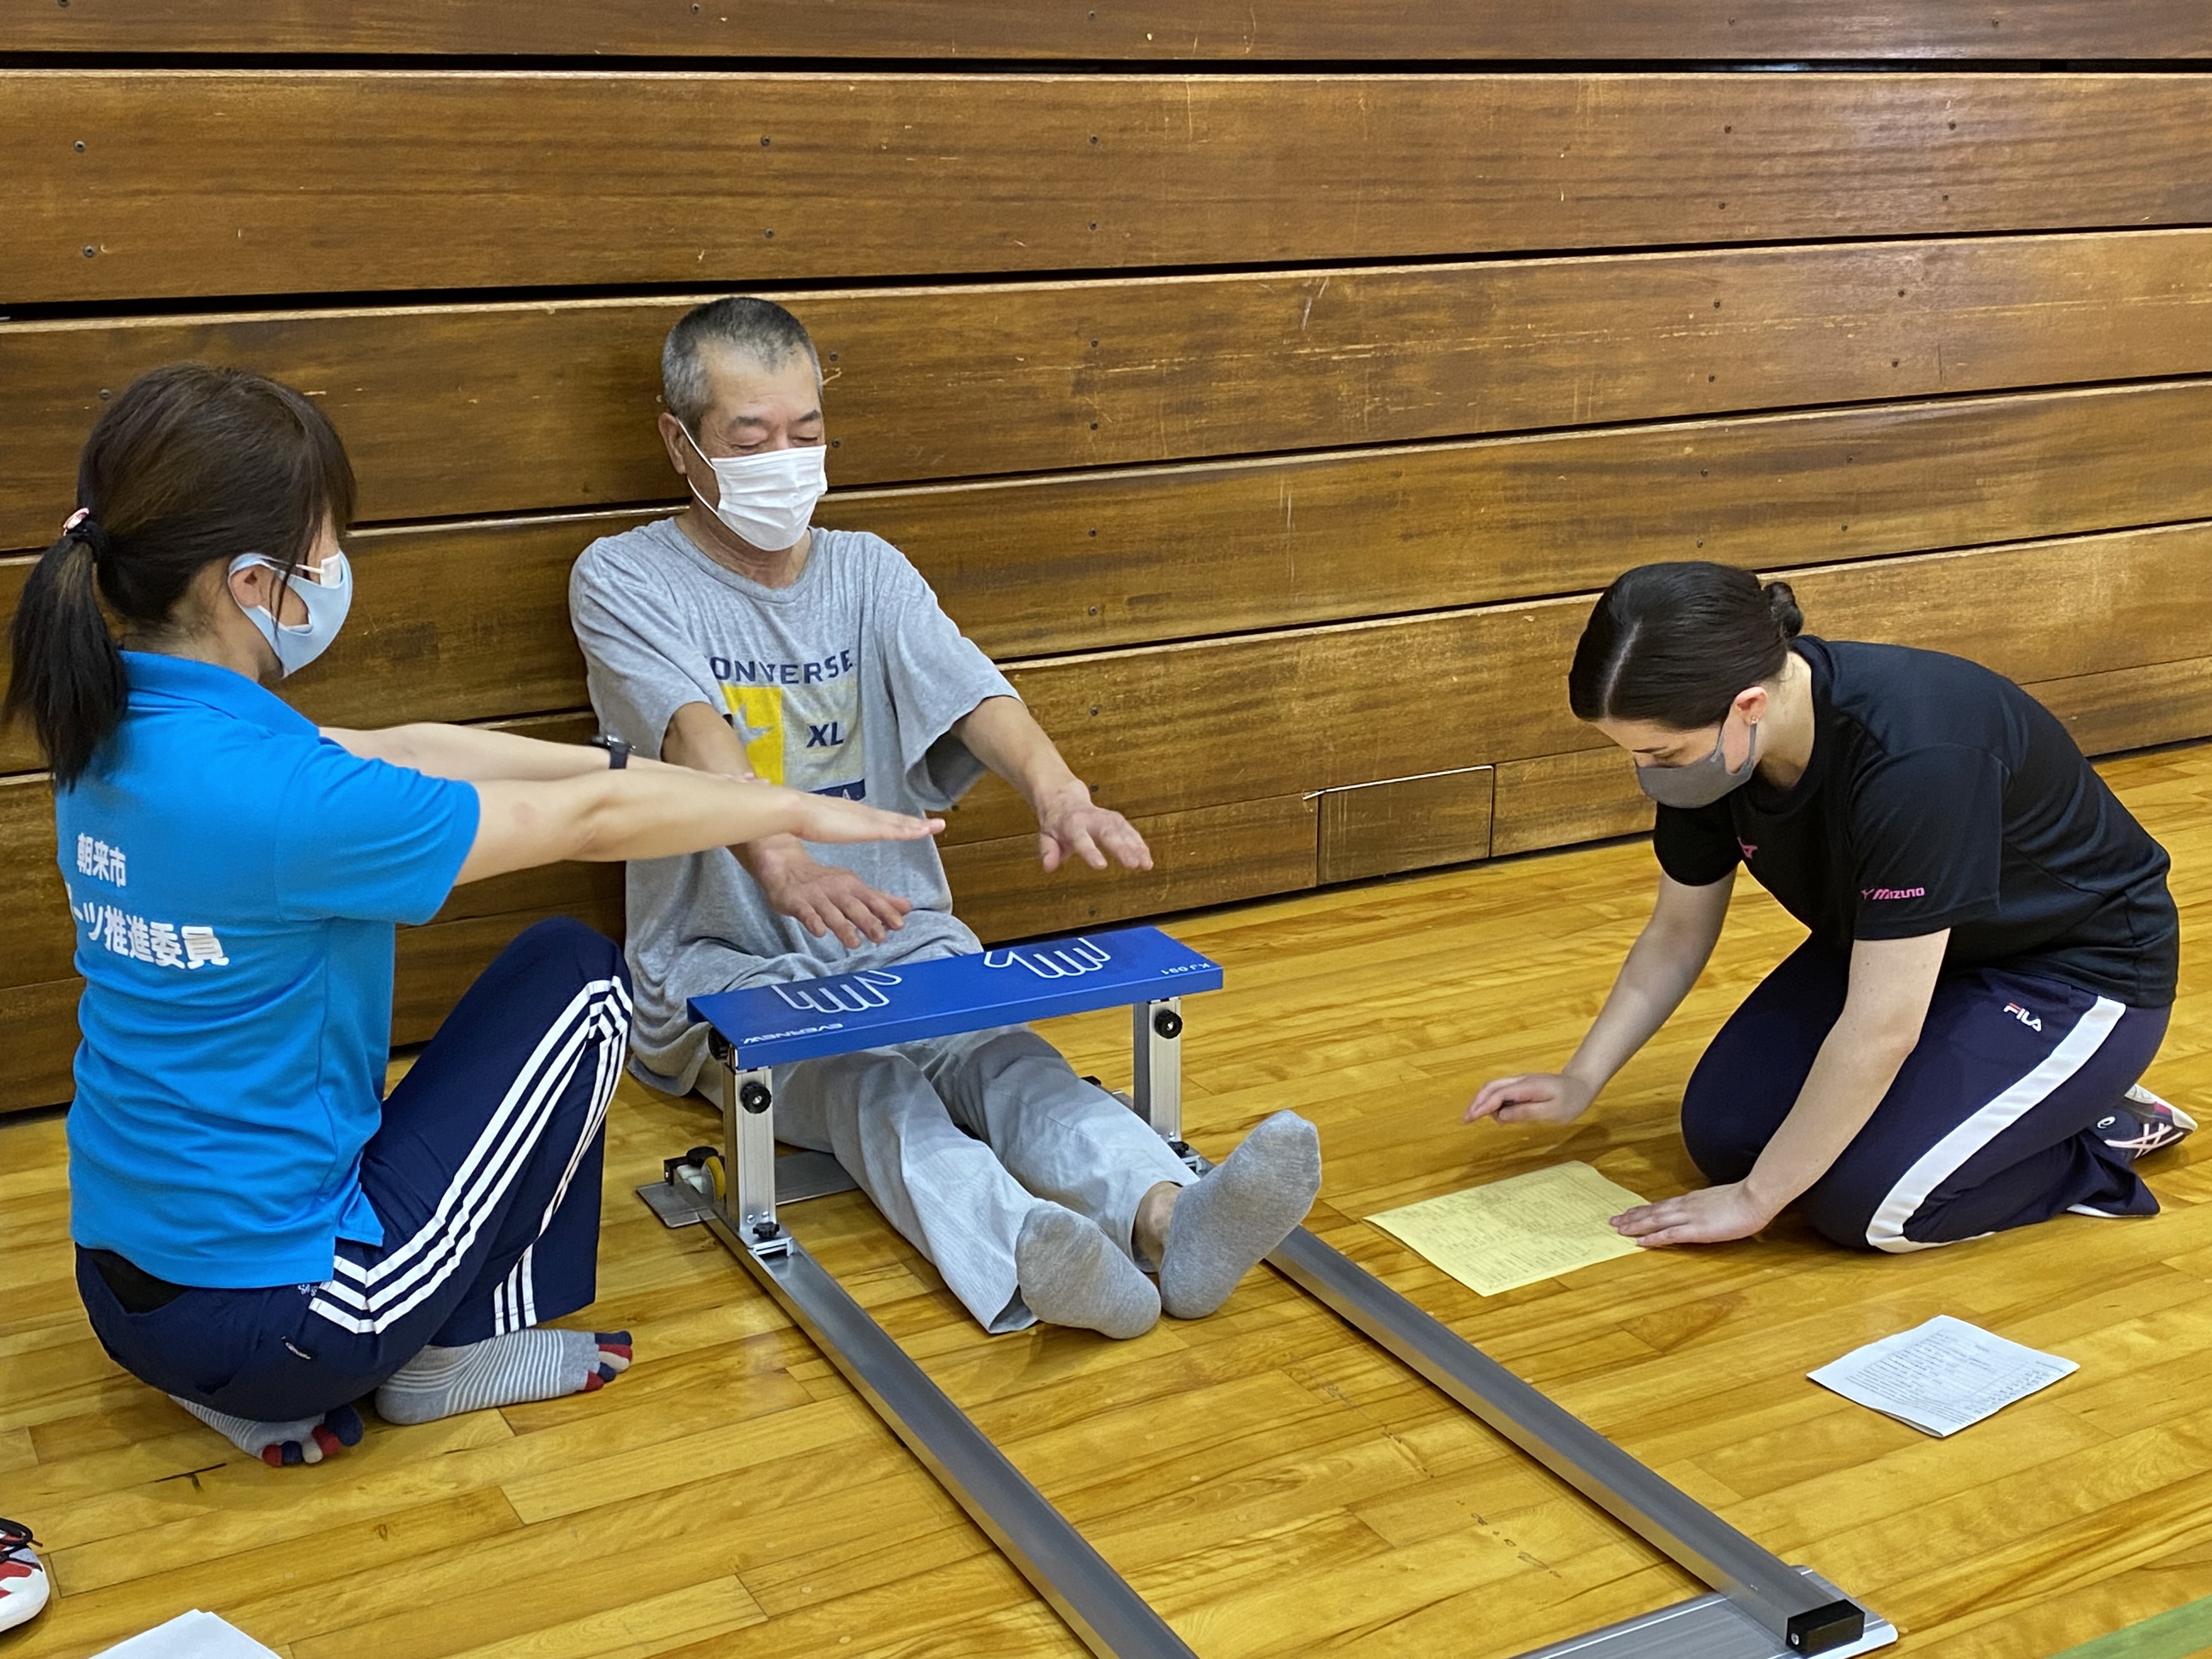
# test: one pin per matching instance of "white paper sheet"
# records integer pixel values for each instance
(1941, 1377)
(192, 1635)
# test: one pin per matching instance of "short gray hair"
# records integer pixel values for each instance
(759, 329)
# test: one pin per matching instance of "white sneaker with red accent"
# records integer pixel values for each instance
(2144, 1123)
(23, 1586)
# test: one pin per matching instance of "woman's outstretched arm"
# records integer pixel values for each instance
(656, 813)
(1662, 965)
(474, 754)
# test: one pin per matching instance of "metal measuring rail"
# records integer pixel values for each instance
(1762, 1607)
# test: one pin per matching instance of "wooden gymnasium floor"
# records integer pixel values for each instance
(1273, 1485)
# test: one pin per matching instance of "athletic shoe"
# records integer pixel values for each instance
(23, 1584)
(2144, 1124)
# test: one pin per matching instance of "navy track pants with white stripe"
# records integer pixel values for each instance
(485, 1173)
(1987, 1127)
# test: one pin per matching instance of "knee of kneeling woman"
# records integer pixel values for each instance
(1841, 1223)
(563, 943)
(1717, 1142)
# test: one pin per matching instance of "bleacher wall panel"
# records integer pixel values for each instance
(1143, 31)
(196, 182)
(1269, 386)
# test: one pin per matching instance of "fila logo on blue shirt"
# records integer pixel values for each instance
(2023, 1017)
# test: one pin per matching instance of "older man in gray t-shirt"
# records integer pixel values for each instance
(737, 639)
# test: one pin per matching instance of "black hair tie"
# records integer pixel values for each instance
(82, 526)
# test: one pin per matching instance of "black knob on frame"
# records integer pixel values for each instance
(754, 1096)
(1167, 1023)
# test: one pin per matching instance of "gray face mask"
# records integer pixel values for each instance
(1701, 782)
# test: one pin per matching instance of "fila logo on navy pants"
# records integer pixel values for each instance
(2011, 1106)
(1987, 1127)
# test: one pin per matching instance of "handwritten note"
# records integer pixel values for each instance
(1942, 1376)
(1511, 1233)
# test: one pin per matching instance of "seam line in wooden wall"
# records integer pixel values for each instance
(585, 514)
(379, 303)
(1106, 658)
(320, 302)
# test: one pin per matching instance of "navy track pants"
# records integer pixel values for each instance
(486, 1175)
(1987, 1127)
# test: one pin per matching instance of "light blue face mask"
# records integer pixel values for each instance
(327, 591)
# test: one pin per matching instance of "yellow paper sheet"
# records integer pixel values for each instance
(1511, 1233)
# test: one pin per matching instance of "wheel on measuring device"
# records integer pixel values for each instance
(700, 1170)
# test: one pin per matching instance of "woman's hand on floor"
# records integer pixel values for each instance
(1711, 1215)
(1533, 1098)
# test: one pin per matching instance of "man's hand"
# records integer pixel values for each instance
(1711, 1215)
(822, 898)
(999, 732)
(1070, 825)
(1536, 1098)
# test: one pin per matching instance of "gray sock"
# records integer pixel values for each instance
(1226, 1223)
(503, 1371)
(1071, 1274)
(280, 1445)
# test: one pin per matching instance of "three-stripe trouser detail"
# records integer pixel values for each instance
(366, 1299)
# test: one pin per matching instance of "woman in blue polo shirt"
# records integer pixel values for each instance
(1955, 1050)
(261, 1233)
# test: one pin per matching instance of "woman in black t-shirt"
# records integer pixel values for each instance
(1955, 1048)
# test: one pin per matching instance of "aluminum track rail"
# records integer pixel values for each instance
(1096, 1602)
(1802, 1615)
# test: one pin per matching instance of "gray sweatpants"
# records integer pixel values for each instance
(957, 1138)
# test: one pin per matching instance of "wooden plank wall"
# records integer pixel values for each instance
(1269, 385)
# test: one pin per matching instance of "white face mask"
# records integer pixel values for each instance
(326, 589)
(768, 498)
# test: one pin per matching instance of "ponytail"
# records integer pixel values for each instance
(1674, 644)
(1782, 605)
(191, 464)
(68, 679)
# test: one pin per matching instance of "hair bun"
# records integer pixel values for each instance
(1782, 602)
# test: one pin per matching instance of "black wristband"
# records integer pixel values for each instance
(617, 752)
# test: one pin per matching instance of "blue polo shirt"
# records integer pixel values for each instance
(235, 878)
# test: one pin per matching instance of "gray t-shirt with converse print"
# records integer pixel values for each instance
(847, 682)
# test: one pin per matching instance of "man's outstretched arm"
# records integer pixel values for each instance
(822, 898)
(1001, 733)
